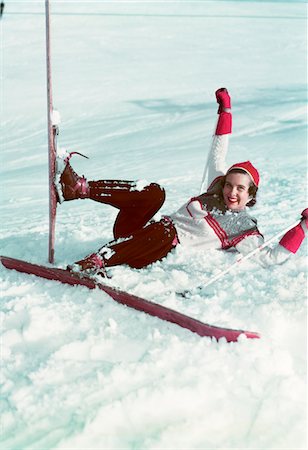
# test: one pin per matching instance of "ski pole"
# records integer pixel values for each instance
(204, 176)
(244, 258)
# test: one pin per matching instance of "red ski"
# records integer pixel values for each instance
(130, 300)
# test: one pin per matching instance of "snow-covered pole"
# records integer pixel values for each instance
(51, 143)
(243, 258)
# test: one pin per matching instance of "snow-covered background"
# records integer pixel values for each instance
(134, 83)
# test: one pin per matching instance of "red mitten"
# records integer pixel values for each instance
(224, 124)
(223, 99)
(305, 217)
(293, 238)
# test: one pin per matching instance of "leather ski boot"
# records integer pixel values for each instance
(93, 264)
(69, 185)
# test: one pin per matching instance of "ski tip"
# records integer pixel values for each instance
(5, 261)
(252, 335)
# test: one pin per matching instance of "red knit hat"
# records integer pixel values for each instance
(249, 169)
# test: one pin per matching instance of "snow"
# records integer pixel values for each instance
(134, 83)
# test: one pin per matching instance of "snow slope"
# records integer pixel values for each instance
(134, 84)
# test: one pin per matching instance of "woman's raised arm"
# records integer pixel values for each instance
(216, 162)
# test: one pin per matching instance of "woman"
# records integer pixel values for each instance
(216, 219)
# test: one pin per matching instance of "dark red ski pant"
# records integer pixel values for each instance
(142, 244)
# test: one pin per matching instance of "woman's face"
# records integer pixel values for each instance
(235, 191)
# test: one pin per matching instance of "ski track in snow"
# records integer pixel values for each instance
(136, 96)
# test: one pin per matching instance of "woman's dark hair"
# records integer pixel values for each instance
(252, 191)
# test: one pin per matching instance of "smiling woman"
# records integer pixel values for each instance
(217, 218)
(236, 190)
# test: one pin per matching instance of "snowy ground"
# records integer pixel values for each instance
(134, 84)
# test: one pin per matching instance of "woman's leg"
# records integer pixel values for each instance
(146, 246)
(136, 205)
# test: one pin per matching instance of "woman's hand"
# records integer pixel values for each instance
(293, 238)
(304, 221)
(224, 100)
(224, 123)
